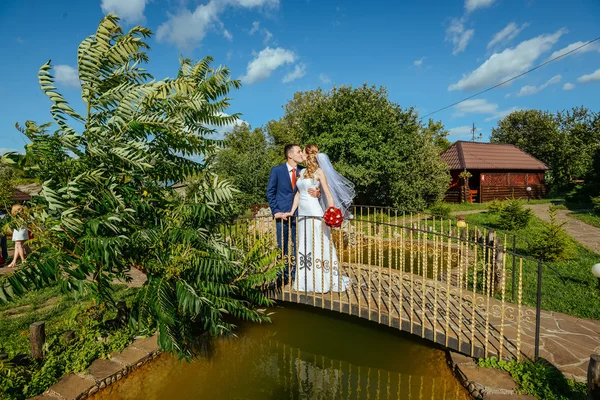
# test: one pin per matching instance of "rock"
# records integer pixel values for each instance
(70, 387)
(93, 390)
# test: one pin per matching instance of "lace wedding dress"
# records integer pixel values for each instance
(318, 268)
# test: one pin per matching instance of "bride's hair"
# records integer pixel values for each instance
(312, 164)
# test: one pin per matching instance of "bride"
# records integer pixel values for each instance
(316, 254)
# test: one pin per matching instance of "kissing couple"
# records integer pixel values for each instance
(298, 197)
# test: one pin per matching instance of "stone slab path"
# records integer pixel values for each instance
(587, 235)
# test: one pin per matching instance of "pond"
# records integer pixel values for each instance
(304, 354)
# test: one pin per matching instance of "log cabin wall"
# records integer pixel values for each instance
(506, 185)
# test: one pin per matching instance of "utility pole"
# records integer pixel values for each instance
(473, 130)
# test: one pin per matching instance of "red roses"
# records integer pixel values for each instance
(333, 217)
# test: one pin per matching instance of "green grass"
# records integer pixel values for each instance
(539, 379)
(59, 311)
(567, 286)
(588, 217)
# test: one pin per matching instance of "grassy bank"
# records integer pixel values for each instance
(539, 379)
(21, 378)
(588, 217)
(568, 286)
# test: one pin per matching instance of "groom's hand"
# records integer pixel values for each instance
(281, 215)
(314, 192)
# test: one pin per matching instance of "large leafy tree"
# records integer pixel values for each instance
(565, 141)
(246, 161)
(106, 205)
(384, 149)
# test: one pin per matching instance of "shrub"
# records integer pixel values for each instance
(514, 216)
(441, 209)
(496, 206)
(553, 243)
(540, 379)
(596, 204)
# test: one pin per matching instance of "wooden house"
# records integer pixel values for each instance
(497, 171)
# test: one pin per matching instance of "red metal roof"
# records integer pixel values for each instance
(490, 156)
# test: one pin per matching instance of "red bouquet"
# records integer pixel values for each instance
(333, 217)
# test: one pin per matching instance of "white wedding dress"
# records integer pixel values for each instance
(316, 255)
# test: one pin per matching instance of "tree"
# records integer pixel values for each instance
(565, 141)
(388, 154)
(246, 161)
(106, 207)
(7, 184)
(437, 134)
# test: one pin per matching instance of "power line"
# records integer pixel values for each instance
(511, 79)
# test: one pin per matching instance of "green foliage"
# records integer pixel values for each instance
(7, 182)
(496, 206)
(553, 243)
(246, 161)
(514, 216)
(596, 204)
(61, 313)
(539, 379)
(382, 148)
(568, 286)
(106, 206)
(565, 141)
(440, 209)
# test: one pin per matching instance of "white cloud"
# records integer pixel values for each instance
(590, 47)
(221, 130)
(187, 29)
(255, 27)
(528, 90)
(419, 62)
(265, 62)
(268, 36)
(568, 86)
(227, 35)
(462, 131)
(458, 35)
(506, 35)
(297, 73)
(324, 79)
(66, 75)
(481, 106)
(593, 77)
(475, 106)
(502, 114)
(229, 55)
(508, 63)
(472, 5)
(128, 10)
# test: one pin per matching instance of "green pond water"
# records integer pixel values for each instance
(304, 354)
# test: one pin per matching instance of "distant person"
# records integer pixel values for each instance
(19, 236)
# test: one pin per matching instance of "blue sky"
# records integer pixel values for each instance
(428, 54)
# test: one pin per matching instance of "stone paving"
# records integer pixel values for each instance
(587, 235)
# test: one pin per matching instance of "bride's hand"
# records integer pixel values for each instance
(316, 192)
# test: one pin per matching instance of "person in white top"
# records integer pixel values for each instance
(19, 237)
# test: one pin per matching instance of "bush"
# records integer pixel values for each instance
(496, 206)
(553, 244)
(596, 204)
(539, 379)
(514, 216)
(441, 209)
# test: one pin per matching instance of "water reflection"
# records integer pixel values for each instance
(302, 355)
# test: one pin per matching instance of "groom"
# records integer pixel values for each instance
(281, 190)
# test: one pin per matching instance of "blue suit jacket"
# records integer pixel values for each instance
(280, 194)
